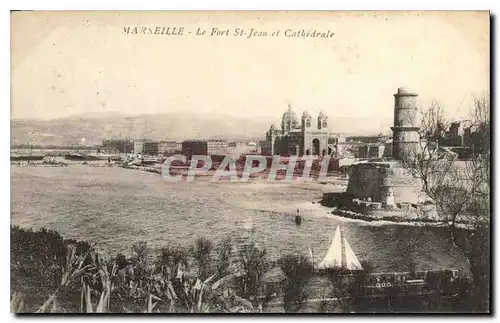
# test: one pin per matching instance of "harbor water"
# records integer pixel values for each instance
(113, 208)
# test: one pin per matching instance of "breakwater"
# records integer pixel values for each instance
(346, 206)
(149, 169)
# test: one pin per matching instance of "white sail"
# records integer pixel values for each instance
(311, 254)
(340, 254)
(352, 262)
(333, 257)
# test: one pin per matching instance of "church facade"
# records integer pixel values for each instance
(299, 137)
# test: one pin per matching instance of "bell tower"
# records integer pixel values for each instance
(306, 120)
(322, 120)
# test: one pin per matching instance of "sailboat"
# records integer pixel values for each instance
(340, 254)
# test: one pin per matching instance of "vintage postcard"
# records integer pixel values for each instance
(250, 162)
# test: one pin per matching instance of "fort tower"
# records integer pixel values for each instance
(405, 140)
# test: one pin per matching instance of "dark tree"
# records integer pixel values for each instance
(298, 271)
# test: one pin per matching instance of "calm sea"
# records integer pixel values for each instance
(115, 208)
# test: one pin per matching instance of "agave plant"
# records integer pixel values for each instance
(196, 293)
(150, 303)
(50, 305)
(205, 297)
(106, 279)
(71, 271)
(195, 296)
(73, 268)
(148, 287)
(157, 287)
(86, 301)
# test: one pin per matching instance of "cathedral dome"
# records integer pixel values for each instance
(290, 116)
(306, 114)
(322, 114)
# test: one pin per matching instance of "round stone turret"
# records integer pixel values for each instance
(405, 140)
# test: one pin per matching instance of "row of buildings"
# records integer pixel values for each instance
(162, 148)
(308, 136)
(291, 137)
(156, 148)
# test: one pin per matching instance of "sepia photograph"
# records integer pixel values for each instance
(250, 162)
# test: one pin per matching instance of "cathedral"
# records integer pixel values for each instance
(300, 138)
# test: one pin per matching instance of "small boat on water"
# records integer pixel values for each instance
(340, 254)
(298, 218)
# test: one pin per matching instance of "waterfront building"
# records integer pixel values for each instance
(150, 148)
(118, 145)
(371, 151)
(237, 148)
(367, 139)
(194, 147)
(167, 147)
(158, 148)
(217, 147)
(138, 146)
(205, 147)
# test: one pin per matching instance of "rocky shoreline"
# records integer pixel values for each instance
(395, 218)
(148, 169)
(60, 164)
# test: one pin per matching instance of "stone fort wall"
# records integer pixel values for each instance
(375, 180)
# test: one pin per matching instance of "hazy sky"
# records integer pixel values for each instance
(66, 63)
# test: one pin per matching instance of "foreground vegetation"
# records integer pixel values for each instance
(53, 275)
(461, 191)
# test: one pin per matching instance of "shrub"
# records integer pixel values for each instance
(298, 271)
(224, 251)
(140, 258)
(254, 264)
(37, 255)
(201, 252)
(170, 258)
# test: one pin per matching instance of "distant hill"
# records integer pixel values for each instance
(95, 127)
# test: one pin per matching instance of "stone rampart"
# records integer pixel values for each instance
(382, 182)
